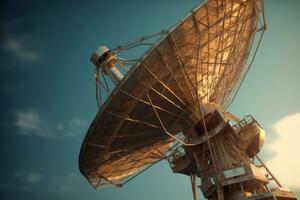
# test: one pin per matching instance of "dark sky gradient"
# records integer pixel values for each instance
(46, 80)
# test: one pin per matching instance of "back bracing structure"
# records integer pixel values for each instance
(171, 105)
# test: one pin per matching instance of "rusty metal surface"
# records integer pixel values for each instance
(200, 61)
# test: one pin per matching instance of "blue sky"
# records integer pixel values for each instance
(48, 100)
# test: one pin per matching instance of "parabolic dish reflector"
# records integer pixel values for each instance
(201, 60)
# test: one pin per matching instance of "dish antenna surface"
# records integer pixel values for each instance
(171, 105)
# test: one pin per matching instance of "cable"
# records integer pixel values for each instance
(245, 74)
(98, 90)
(163, 127)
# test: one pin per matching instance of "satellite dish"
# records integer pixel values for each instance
(171, 105)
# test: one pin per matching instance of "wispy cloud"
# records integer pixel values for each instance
(31, 123)
(30, 177)
(69, 183)
(18, 48)
(21, 181)
(37, 182)
(34, 177)
(285, 163)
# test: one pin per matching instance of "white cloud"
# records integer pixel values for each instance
(18, 48)
(22, 181)
(69, 183)
(74, 125)
(285, 163)
(52, 185)
(28, 178)
(31, 123)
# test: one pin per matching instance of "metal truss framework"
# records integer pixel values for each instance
(202, 60)
(194, 68)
